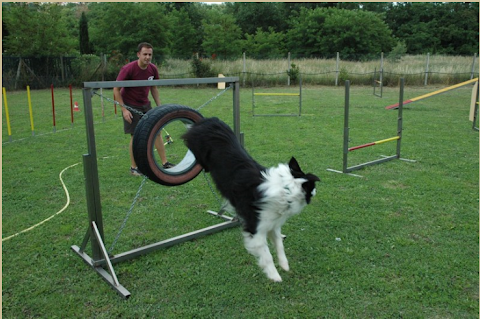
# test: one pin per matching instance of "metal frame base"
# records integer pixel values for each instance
(110, 276)
(384, 158)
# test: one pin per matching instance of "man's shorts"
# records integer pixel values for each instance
(129, 128)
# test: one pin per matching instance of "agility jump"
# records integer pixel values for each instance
(421, 97)
(346, 169)
(299, 94)
(101, 260)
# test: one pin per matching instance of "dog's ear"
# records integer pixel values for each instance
(309, 186)
(312, 177)
(293, 164)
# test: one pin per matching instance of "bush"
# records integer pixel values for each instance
(88, 67)
(343, 76)
(293, 73)
(201, 68)
(397, 52)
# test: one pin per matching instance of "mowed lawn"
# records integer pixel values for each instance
(399, 242)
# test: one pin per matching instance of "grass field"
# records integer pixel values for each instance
(401, 242)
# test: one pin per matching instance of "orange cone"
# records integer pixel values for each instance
(75, 107)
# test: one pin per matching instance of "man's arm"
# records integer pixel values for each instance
(127, 115)
(156, 95)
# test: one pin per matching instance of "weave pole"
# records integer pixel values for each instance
(71, 104)
(53, 110)
(7, 116)
(345, 168)
(30, 110)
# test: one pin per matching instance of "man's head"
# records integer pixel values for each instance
(144, 54)
(144, 45)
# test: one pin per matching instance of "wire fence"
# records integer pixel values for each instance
(42, 72)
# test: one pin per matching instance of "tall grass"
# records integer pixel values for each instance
(446, 70)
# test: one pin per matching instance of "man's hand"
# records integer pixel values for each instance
(127, 115)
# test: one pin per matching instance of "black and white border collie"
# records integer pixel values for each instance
(263, 198)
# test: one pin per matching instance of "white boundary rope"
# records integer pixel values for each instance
(57, 213)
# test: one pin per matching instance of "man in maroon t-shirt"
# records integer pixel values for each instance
(137, 98)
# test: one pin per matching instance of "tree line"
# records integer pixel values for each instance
(224, 31)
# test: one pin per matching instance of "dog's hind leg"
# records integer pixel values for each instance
(277, 239)
(257, 246)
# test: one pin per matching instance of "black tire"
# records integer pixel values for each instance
(144, 144)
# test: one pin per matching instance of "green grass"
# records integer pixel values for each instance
(408, 231)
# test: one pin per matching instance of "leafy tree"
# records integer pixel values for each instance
(251, 16)
(443, 28)
(84, 40)
(121, 26)
(185, 39)
(37, 29)
(293, 9)
(222, 35)
(265, 44)
(325, 31)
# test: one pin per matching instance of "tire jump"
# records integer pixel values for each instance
(146, 132)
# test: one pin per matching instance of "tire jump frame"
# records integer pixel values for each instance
(345, 168)
(101, 260)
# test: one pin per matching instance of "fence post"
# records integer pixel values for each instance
(473, 66)
(426, 69)
(381, 74)
(244, 69)
(336, 69)
(104, 67)
(288, 70)
(18, 72)
(62, 69)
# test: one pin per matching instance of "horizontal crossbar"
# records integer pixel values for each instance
(378, 161)
(162, 82)
(231, 222)
(374, 143)
(277, 94)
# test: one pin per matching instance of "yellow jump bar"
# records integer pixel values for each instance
(444, 90)
(387, 140)
(394, 106)
(277, 94)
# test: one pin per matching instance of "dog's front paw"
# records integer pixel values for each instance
(273, 274)
(276, 278)
(284, 265)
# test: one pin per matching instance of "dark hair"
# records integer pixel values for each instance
(144, 45)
